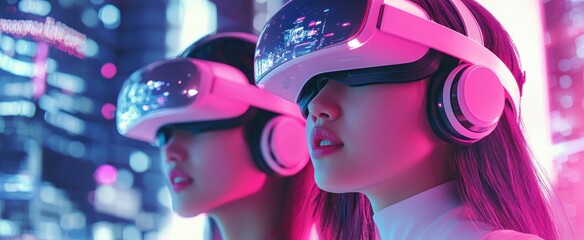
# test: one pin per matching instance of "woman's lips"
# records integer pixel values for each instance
(324, 142)
(179, 180)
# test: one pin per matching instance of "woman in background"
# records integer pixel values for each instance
(229, 150)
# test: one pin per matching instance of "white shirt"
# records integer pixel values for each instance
(435, 214)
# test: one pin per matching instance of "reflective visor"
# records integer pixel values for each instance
(303, 26)
(183, 90)
(169, 84)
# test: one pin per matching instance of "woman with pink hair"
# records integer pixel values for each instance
(413, 118)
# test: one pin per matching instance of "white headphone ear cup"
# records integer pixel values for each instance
(283, 145)
(474, 99)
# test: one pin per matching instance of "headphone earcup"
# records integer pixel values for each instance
(283, 146)
(465, 105)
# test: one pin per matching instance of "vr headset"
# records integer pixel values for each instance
(390, 40)
(185, 90)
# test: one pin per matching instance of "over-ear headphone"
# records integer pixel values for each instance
(465, 104)
(283, 146)
(276, 142)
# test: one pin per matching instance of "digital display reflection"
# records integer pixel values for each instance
(167, 85)
(302, 27)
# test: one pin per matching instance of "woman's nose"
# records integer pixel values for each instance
(324, 106)
(172, 150)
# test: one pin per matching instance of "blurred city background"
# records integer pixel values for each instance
(65, 172)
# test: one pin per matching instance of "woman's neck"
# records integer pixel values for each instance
(432, 172)
(258, 216)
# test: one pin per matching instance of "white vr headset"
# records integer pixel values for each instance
(307, 38)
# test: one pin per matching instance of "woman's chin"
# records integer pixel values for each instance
(330, 186)
(186, 211)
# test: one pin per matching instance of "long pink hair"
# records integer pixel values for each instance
(496, 177)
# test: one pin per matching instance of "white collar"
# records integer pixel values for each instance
(434, 213)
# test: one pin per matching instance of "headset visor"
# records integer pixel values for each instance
(303, 26)
(155, 88)
(186, 90)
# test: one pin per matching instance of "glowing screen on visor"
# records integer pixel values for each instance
(168, 85)
(305, 26)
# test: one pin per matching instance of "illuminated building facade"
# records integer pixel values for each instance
(65, 172)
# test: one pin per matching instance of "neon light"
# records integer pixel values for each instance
(58, 34)
(39, 79)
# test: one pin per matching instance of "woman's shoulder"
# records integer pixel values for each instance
(510, 235)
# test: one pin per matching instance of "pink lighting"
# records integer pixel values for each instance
(105, 174)
(108, 111)
(109, 70)
(39, 79)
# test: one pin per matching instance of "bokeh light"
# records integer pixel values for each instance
(105, 194)
(125, 178)
(105, 174)
(109, 70)
(72, 221)
(91, 48)
(110, 16)
(139, 161)
(103, 231)
(89, 18)
(163, 197)
(108, 111)
(38, 7)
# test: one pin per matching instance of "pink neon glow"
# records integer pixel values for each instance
(109, 70)
(53, 32)
(40, 70)
(108, 111)
(300, 19)
(105, 174)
